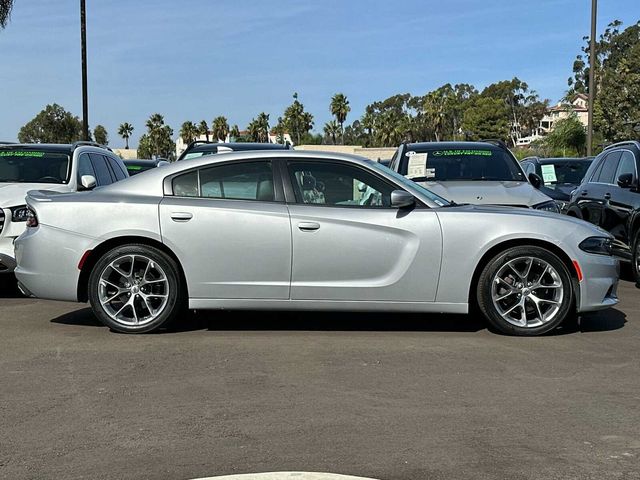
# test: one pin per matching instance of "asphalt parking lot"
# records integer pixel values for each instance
(383, 396)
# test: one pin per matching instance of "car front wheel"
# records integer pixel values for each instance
(525, 291)
(135, 289)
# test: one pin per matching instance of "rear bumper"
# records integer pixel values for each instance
(47, 263)
(599, 287)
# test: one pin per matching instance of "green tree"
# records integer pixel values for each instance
(125, 130)
(203, 129)
(297, 121)
(100, 135)
(220, 128)
(486, 118)
(5, 12)
(157, 141)
(234, 133)
(568, 133)
(280, 130)
(331, 131)
(52, 125)
(188, 132)
(340, 109)
(617, 106)
(389, 122)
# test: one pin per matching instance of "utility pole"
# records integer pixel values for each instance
(85, 100)
(592, 68)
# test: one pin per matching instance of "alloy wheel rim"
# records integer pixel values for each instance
(527, 292)
(133, 290)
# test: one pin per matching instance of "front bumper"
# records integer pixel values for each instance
(599, 286)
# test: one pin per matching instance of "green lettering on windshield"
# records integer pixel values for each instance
(457, 153)
(21, 153)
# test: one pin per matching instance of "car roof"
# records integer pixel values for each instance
(238, 147)
(140, 161)
(564, 159)
(47, 147)
(453, 145)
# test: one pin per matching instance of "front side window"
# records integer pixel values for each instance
(85, 167)
(627, 165)
(234, 181)
(103, 173)
(328, 183)
(608, 169)
(20, 165)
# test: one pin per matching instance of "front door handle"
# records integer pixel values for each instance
(308, 226)
(181, 216)
(607, 196)
(583, 193)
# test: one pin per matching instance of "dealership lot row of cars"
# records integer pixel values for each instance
(276, 229)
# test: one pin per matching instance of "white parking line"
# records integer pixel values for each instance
(286, 476)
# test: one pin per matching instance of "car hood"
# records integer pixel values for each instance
(13, 194)
(488, 192)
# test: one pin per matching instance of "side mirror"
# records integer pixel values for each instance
(625, 180)
(535, 180)
(87, 182)
(402, 199)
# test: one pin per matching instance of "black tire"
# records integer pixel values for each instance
(635, 258)
(172, 288)
(489, 274)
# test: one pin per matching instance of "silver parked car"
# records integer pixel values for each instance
(307, 231)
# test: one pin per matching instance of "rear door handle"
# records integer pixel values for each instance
(607, 196)
(181, 216)
(308, 226)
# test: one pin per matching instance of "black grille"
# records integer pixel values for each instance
(1, 220)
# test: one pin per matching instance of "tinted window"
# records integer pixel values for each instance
(328, 183)
(627, 165)
(33, 166)
(117, 170)
(565, 171)
(103, 175)
(609, 167)
(461, 164)
(85, 167)
(237, 181)
(528, 167)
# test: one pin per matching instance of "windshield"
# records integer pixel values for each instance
(33, 166)
(462, 164)
(561, 172)
(437, 199)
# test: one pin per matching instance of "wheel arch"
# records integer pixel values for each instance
(524, 242)
(96, 253)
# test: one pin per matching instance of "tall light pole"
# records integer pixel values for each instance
(85, 100)
(592, 68)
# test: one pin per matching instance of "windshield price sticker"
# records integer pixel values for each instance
(21, 153)
(549, 173)
(417, 165)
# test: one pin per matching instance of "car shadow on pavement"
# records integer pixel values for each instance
(9, 286)
(252, 320)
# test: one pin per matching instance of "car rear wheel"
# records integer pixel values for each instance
(135, 289)
(525, 291)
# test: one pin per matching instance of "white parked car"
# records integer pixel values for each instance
(54, 167)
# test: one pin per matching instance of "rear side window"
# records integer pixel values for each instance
(608, 169)
(117, 169)
(235, 181)
(103, 173)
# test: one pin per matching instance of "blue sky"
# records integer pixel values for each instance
(197, 59)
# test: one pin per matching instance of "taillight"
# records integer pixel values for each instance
(32, 219)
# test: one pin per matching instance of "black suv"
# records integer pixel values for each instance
(609, 196)
(201, 147)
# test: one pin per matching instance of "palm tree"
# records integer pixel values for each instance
(203, 129)
(332, 130)
(340, 109)
(155, 122)
(220, 128)
(234, 132)
(5, 12)
(263, 127)
(188, 132)
(125, 130)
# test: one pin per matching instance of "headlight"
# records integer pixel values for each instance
(549, 206)
(20, 214)
(561, 205)
(597, 245)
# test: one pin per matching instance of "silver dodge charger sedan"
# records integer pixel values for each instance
(306, 231)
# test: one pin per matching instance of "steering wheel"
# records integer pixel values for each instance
(45, 179)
